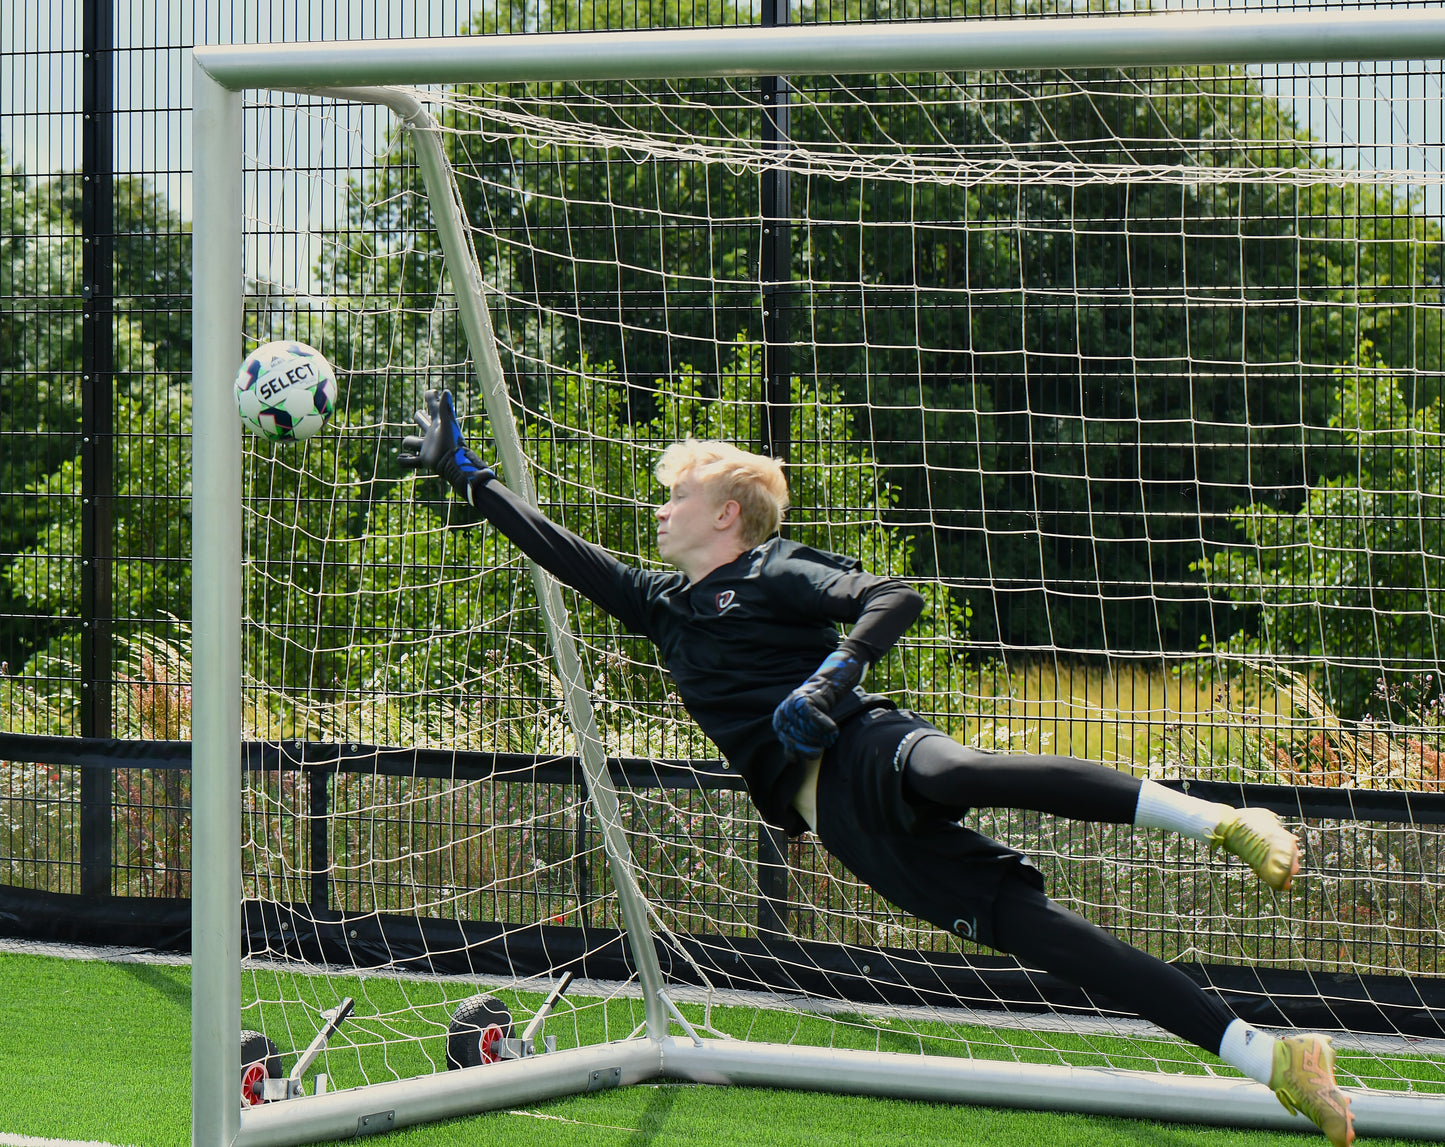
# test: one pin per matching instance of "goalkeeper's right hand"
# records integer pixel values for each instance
(441, 448)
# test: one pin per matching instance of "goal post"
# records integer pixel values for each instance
(216, 1032)
(216, 628)
(665, 1044)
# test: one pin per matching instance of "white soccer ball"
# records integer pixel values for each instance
(285, 391)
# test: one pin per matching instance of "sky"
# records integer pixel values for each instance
(40, 71)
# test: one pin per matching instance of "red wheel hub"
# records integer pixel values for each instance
(490, 1042)
(252, 1076)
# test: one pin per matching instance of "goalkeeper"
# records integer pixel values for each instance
(748, 628)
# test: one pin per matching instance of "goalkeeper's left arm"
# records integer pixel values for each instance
(804, 722)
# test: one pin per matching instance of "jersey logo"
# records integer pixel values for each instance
(967, 929)
(725, 599)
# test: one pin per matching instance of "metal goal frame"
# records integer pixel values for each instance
(380, 72)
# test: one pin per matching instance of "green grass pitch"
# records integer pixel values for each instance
(94, 1050)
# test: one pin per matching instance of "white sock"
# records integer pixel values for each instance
(1249, 1049)
(1189, 816)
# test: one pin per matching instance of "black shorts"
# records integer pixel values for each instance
(917, 858)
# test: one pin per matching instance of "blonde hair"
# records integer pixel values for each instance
(755, 482)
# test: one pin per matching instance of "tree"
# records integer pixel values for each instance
(1146, 336)
(150, 515)
(152, 275)
(1355, 578)
(40, 347)
(1092, 367)
(40, 359)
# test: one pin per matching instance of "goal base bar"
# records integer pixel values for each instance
(382, 1107)
(921, 1078)
(1172, 1098)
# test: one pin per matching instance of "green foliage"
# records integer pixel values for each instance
(1110, 320)
(1035, 359)
(380, 597)
(47, 573)
(40, 376)
(1358, 569)
(152, 269)
(39, 361)
(1075, 336)
(150, 519)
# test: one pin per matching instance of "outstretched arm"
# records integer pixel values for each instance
(587, 568)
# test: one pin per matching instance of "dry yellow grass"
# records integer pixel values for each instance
(1217, 719)
(1115, 713)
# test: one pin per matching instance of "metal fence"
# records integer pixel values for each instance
(496, 868)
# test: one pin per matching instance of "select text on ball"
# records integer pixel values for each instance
(301, 372)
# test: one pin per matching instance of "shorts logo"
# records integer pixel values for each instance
(725, 599)
(966, 928)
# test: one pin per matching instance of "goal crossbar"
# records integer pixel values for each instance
(1067, 42)
(355, 71)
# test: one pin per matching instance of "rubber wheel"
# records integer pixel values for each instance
(477, 1026)
(260, 1059)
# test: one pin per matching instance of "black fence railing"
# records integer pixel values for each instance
(301, 901)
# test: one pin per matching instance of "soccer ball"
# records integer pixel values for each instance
(285, 391)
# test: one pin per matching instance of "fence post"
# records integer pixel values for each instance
(581, 870)
(772, 881)
(97, 224)
(775, 271)
(775, 275)
(319, 815)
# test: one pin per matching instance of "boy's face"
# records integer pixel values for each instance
(687, 523)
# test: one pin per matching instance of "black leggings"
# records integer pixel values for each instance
(955, 778)
(1042, 934)
(1030, 926)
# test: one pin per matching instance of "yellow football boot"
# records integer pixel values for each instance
(1303, 1079)
(1257, 837)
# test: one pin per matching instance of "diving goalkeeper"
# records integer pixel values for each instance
(748, 627)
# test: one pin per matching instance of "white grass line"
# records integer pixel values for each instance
(104, 953)
(574, 1122)
(35, 1141)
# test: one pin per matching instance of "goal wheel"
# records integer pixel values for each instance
(260, 1059)
(478, 1025)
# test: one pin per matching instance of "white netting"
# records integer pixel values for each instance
(1044, 338)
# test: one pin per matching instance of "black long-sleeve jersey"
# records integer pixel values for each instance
(739, 640)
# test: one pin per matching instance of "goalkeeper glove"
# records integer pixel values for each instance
(441, 448)
(802, 721)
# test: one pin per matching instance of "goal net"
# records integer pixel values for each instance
(1100, 361)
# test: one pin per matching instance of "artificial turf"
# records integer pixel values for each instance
(94, 1050)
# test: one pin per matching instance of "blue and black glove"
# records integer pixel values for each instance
(802, 722)
(441, 448)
